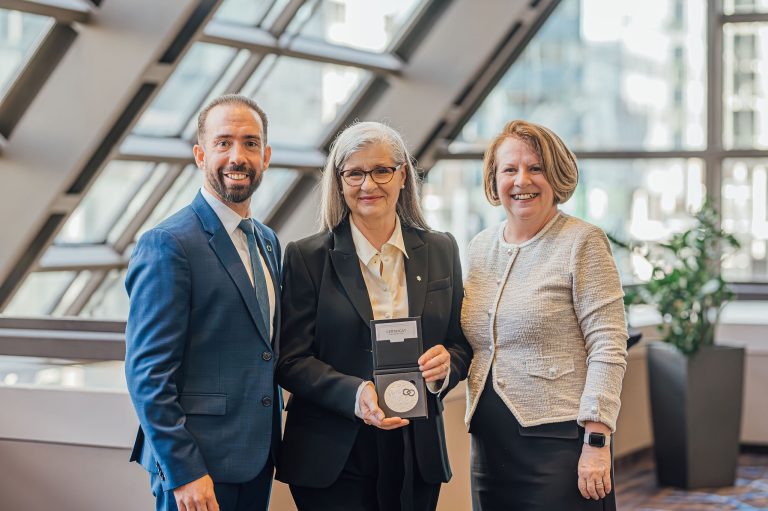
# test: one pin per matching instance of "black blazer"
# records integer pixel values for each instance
(326, 348)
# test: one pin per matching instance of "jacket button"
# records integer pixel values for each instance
(500, 383)
(552, 371)
(267, 356)
(266, 401)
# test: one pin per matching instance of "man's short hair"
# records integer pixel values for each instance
(230, 99)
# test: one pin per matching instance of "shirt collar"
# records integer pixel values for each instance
(365, 251)
(229, 219)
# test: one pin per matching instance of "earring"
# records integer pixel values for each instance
(402, 186)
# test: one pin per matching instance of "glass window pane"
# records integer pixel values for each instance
(453, 200)
(744, 213)
(137, 202)
(273, 187)
(182, 94)
(39, 293)
(20, 33)
(72, 293)
(745, 85)
(362, 24)
(304, 98)
(244, 12)
(110, 301)
(104, 202)
(634, 199)
(608, 75)
(744, 6)
(179, 195)
(221, 85)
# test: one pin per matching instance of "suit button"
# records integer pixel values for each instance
(266, 401)
(267, 356)
(501, 383)
(552, 371)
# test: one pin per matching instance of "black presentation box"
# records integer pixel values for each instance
(397, 346)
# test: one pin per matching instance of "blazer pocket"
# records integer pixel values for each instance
(436, 285)
(550, 368)
(568, 430)
(203, 404)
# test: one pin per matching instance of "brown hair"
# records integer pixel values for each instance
(559, 163)
(230, 99)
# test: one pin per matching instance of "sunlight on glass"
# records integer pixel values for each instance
(274, 186)
(306, 97)
(39, 293)
(110, 301)
(744, 6)
(745, 85)
(744, 195)
(181, 193)
(607, 75)
(362, 24)
(180, 97)
(243, 12)
(104, 202)
(20, 33)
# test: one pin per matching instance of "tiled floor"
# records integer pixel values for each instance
(637, 489)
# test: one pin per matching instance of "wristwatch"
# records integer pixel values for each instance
(597, 439)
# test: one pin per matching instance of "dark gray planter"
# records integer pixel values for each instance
(696, 406)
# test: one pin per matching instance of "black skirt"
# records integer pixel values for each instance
(526, 469)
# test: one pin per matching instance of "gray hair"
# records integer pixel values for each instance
(334, 208)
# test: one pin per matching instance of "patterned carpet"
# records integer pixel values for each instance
(637, 490)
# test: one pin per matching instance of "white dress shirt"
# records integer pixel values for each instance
(231, 222)
(384, 274)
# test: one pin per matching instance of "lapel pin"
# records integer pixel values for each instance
(269, 248)
(418, 277)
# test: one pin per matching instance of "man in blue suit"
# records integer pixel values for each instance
(201, 339)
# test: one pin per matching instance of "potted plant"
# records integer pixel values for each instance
(695, 385)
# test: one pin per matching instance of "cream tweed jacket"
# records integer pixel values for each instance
(547, 316)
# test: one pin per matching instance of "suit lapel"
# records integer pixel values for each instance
(222, 246)
(415, 271)
(347, 267)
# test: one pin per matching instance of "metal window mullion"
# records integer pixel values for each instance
(260, 41)
(97, 277)
(281, 23)
(128, 234)
(714, 150)
(201, 102)
(751, 17)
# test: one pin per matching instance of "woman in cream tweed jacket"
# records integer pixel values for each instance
(543, 312)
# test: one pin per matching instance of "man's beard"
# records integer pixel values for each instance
(236, 193)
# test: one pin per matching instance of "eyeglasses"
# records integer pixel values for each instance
(380, 175)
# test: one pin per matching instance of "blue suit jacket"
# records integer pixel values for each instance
(199, 365)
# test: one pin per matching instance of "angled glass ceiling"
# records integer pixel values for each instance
(20, 34)
(361, 24)
(255, 13)
(305, 94)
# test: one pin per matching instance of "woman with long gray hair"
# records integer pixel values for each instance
(374, 258)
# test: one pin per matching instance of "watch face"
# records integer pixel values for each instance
(597, 440)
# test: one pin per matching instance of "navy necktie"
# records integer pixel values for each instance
(259, 279)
